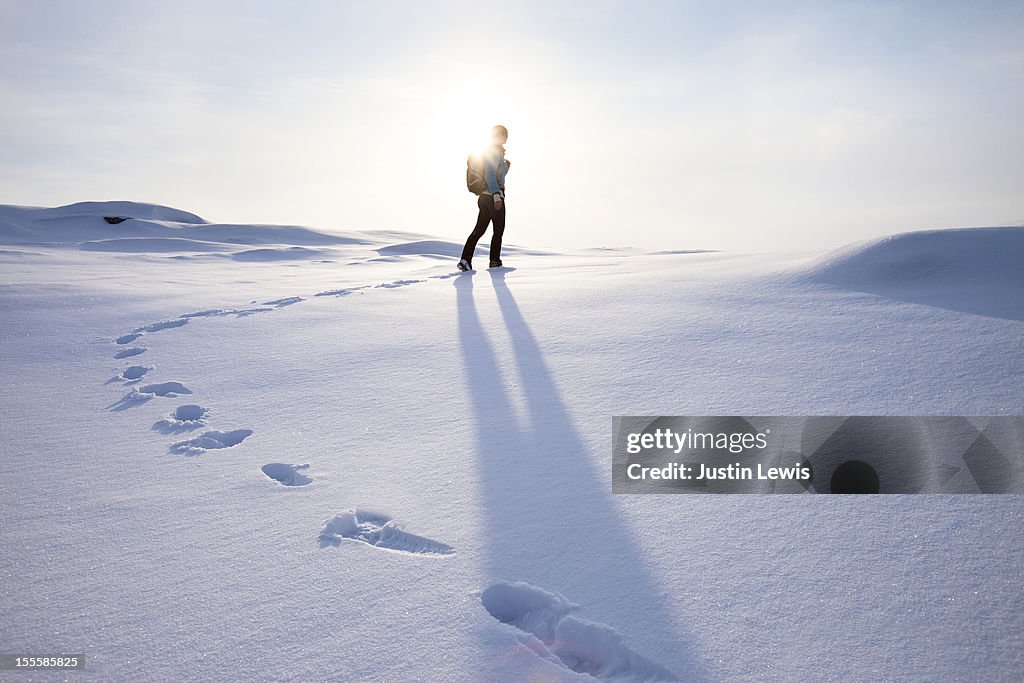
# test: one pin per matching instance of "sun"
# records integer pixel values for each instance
(462, 120)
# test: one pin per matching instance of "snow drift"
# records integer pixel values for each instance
(975, 270)
(147, 228)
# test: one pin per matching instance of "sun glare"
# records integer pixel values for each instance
(462, 121)
(459, 115)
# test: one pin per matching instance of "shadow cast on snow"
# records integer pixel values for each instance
(526, 473)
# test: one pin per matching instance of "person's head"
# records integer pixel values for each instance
(499, 134)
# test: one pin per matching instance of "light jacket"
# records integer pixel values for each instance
(495, 169)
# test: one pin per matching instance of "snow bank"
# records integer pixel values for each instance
(976, 270)
(152, 212)
(142, 228)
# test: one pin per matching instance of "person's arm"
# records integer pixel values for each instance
(491, 173)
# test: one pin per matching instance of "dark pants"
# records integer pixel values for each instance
(488, 214)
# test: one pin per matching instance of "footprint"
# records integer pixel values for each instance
(211, 440)
(128, 353)
(249, 311)
(377, 530)
(398, 283)
(133, 373)
(585, 647)
(154, 327)
(164, 389)
(281, 303)
(345, 291)
(288, 475)
(140, 395)
(221, 312)
(204, 314)
(162, 325)
(182, 419)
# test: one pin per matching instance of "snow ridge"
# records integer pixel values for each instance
(974, 270)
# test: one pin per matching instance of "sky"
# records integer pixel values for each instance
(744, 126)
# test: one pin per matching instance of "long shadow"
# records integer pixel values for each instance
(548, 515)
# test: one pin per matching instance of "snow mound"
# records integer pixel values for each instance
(974, 270)
(931, 256)
(149, 228)
(121, 209)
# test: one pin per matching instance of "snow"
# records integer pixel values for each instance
(378, 530)
(978, 270)
(399, 473)
(287, 475)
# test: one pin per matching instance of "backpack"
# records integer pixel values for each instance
(475, 181)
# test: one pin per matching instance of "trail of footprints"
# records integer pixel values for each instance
(542, 619)
(190, 422)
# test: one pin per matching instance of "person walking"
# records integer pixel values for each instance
(485, 177)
